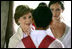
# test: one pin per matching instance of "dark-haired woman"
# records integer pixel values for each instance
(59, 29)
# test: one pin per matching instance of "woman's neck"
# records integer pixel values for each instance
(41, 28)
(58, 29)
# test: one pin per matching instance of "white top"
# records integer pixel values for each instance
(66, 38)
(17, 37)
(37, 36)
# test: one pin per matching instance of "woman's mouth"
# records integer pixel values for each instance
(55, 16)
(28, 24)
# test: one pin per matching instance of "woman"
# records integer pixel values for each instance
(23, 18)
(59, 29)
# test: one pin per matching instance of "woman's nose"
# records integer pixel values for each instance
(27, 20)
(54, 13)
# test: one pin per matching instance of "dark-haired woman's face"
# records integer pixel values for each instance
(56, 10)
(26, 20)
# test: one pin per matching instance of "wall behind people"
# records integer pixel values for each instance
(6, 22)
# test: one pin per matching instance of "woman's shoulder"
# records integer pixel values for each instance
(13, 36)
(13, 40)
(67, 39)
(68, 28)
(18, 34)
(66, 32)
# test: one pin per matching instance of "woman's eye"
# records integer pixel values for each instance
(24, 17)
(57, 9)
(52, 9)
(29, 16)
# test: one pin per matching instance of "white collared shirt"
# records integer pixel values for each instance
(38, 35)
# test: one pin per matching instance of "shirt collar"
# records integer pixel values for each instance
(49, 32)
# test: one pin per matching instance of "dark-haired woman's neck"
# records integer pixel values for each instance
(41, 28)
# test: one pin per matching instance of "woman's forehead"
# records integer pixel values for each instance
(27, 14)
(56, 5)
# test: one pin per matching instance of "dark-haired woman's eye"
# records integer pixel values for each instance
(57, 9)
(52, 9)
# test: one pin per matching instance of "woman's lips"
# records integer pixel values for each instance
(28, 24)
(55, 16)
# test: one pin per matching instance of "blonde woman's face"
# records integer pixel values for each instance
(56, 10)
(26, 20)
